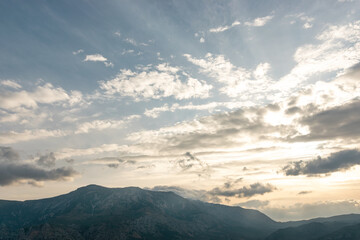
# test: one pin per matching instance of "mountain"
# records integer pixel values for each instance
(95, 212)
(341, 227)
(346, 233)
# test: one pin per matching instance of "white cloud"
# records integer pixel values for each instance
(161, 81)
(11, 84)
(155, 112)
(259, 22)
(202, 40)
(307, 25)
(239, 82)
(338, 49)
(76, 152)
(45, 94)
(131, 41)
(307, 21)
(98, 58)
(127, 51)
(109, 64)
(224, 28)
(14, 137)
(103, 124)
(95, 58)
(117, 33)
(77, 52)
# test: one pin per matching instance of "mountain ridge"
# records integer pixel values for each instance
(97, 212)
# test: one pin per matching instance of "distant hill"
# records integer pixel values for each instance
(95, 212)
(318, 228)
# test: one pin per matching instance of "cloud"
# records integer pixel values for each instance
(8, 154)
(95, 58)
(211, 106)
(111, 162)
(333, 123)
(47, 160)
(306, 20)
(255, 204)
(224, 28)
(109, 64)
(161, 81)
(202, 40)
(76, 152)
(14, 137)
(13, 173)
(46, 94)
(113, 165)
(336, 51)
(304, 192)
(239, 82)
(339, 161)
(190, 163)
(259, 22)
(246, 191)
(78, 52)
(215, 194)
(131, 41)
(307, 25)
(10, 84)
(99, 125)
(98, 58)
(218, 131)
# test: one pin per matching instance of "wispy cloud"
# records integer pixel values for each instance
(10, 84)
(224, 28)
(238, 81)
(78, 51)
(259, 22)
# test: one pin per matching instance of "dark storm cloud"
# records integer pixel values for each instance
(12, 170)
(338, 161)
(69, 160)
(225, 191)
(190, 163)
(353, 72)
(292, 110)
(246, 191)
(12, 173)
(338, 122)
(113, 162)
(47, 160)
(8, 154)
(113, 165)
(304, 192)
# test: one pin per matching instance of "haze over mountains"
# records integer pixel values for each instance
(95, 212)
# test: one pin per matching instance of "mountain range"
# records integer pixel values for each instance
(95, 212)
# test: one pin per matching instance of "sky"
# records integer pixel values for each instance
(244, 103)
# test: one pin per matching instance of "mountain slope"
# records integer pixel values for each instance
(95, 212)
(337, 227)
